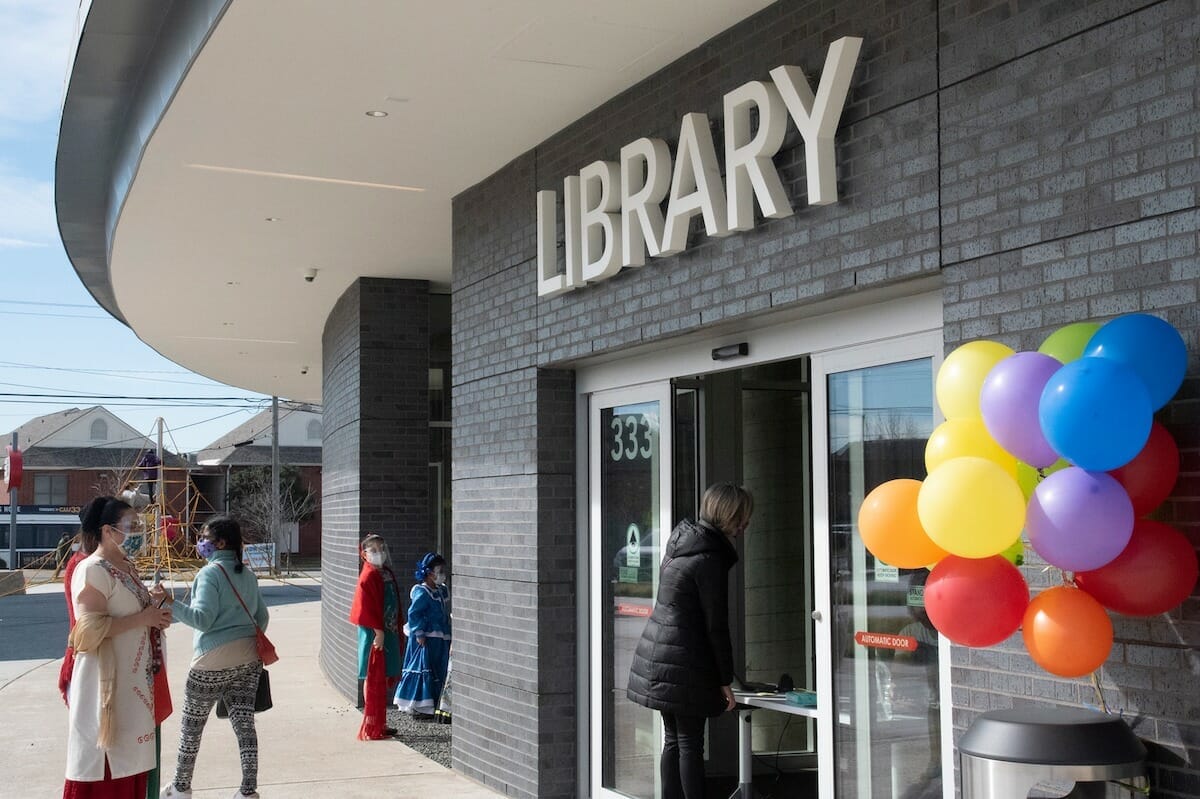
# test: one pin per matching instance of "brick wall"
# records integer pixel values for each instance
(1040, 156)
(375, 448)
(1069, 193)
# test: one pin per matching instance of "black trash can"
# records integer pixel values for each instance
(1006, 752)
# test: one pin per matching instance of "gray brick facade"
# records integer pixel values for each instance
(375, 464)
(1040, 157)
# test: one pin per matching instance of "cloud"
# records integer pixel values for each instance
(28, 217)
(37, 40)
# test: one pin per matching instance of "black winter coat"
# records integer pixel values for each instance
(685, 655)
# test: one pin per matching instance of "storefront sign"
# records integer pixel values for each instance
(41, 509)
(882, 641)
(613, 209)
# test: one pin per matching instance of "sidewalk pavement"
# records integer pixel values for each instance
(307, 743)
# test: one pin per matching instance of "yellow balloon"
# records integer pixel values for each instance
(955, 438)
(1028, 477)
(971, 508)
(961, 377)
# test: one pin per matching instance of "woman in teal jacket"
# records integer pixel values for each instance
(224, 609)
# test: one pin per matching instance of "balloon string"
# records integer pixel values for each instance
(1099, 693)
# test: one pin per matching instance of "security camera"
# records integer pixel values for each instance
(310, 275)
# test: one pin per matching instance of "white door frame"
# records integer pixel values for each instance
(924, 344)
(660, 392)
(860, 332)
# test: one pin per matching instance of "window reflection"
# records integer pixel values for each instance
(887, 733)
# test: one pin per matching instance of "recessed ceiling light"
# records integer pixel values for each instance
(377, 114)
(272, 219)
(232, 283)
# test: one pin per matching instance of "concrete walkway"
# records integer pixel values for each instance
(307, 743)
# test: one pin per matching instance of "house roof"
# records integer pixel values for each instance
(36, 438)
(250, 444)
(35, 430)
(92, 458)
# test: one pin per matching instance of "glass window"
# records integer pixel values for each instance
(99, 430)
(314, 429)
(888, 727)
(630, 463)
(50, 489)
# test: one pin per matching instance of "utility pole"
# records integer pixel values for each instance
(275, 479)
(12, 518)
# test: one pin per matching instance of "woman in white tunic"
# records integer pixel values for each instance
(117, 639)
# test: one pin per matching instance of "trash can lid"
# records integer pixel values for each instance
(1052, 736)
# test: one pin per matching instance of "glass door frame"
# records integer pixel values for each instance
(927, 344)
(660, 392)
(830, 333)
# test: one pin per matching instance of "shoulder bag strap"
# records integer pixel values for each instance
(239, 596)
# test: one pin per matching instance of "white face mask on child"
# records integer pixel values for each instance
(374, 557)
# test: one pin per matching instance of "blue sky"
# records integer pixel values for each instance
(56, 339)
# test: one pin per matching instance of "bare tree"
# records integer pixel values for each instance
(889, 425)
(250, 500)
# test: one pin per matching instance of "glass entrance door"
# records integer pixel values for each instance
(630, 517)
(871, 422)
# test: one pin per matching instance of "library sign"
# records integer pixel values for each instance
(612, 210)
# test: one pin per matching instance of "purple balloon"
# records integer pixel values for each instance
(1079, 520)
(1009, 403)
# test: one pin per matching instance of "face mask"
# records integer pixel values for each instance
(439, 578)
(131, 545)
(374, 557)
(205, 548)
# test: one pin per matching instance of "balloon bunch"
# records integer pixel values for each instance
(1060, 443)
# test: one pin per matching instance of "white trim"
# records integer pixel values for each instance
(659, 392)
(926, 344)
(881, 328)
(818, 332)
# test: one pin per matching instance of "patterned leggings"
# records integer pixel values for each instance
(237, 687)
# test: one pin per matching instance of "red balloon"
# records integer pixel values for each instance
(1155, 572)
(1150, 477)
(1067, 632)
(976, 601)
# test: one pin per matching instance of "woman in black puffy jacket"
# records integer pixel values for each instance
(683, 665)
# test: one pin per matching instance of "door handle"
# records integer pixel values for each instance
(816, 615)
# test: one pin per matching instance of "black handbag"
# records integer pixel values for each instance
(262, 697)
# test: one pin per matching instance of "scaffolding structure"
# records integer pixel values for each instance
(170, 511)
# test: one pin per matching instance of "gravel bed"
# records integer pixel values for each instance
(427, 737)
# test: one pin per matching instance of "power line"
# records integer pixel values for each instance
(99, 371)
(110, 373)
(126, 396)
(92, 306)
(59, 315)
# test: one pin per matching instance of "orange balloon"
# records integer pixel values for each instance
(890, 529)
(1067, 632)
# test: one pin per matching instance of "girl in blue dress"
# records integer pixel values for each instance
(427, 658)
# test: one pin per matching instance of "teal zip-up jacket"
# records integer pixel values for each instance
(213, 610)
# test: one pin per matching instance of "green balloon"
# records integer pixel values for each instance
(1015, 554)
(1068, 343)
(1028, 477)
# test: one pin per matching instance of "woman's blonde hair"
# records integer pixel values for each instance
(726, 506)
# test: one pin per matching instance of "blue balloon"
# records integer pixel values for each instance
(1149, 346)
(1096, 413)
